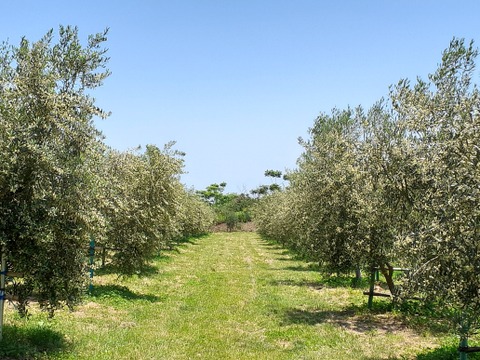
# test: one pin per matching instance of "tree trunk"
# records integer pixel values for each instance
(358, 274)
(387, 272)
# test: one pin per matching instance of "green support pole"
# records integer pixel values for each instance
(91, 262)
(3, 274)
(372, 288)
(463, 344)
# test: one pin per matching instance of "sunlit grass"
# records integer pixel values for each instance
(225, 296)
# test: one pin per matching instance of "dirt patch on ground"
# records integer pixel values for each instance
(97, 311)
(381, 324)
(383, 327)
(248, 227)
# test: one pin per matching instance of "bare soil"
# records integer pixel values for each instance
(247, 227)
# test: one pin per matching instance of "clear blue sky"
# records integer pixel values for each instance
(235, 83)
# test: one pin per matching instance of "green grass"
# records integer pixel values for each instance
(225, 296)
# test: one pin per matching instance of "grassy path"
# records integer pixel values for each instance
(225, 296)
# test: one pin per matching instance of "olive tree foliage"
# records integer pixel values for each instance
(442, 116)
(124, 207)
(46, 135)
(314, 214)
(386, 191)
(274, 216)
(194, 217)
(326, 189)
(145, 207)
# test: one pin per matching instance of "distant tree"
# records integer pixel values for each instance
(213, 194)
(260, 191)
(263, 190)
(229, 208)
(274, 187)
(273, 173)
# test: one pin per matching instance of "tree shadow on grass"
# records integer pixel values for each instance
(326, 282)
(361, 319)
(377, 321)
(292, 256)
(192, 239)
(307, 317)
(29, 342)
(271, 245)
(284, 254)
(183, 243)
(109, 269)
(444, 353)
(279, 250)
(316, 285)
(123, 292)
(306, 267)
(354, 318)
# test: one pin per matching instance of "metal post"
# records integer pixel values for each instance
(3, 274)
(91, 262)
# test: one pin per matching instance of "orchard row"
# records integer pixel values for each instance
(397, 185)
(60, 185)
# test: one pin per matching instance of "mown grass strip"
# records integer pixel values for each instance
(224, 296)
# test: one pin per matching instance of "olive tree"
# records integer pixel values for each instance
(326, 189)
(46, 135)
(274, 218)
(194, 216)
(442, 116)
